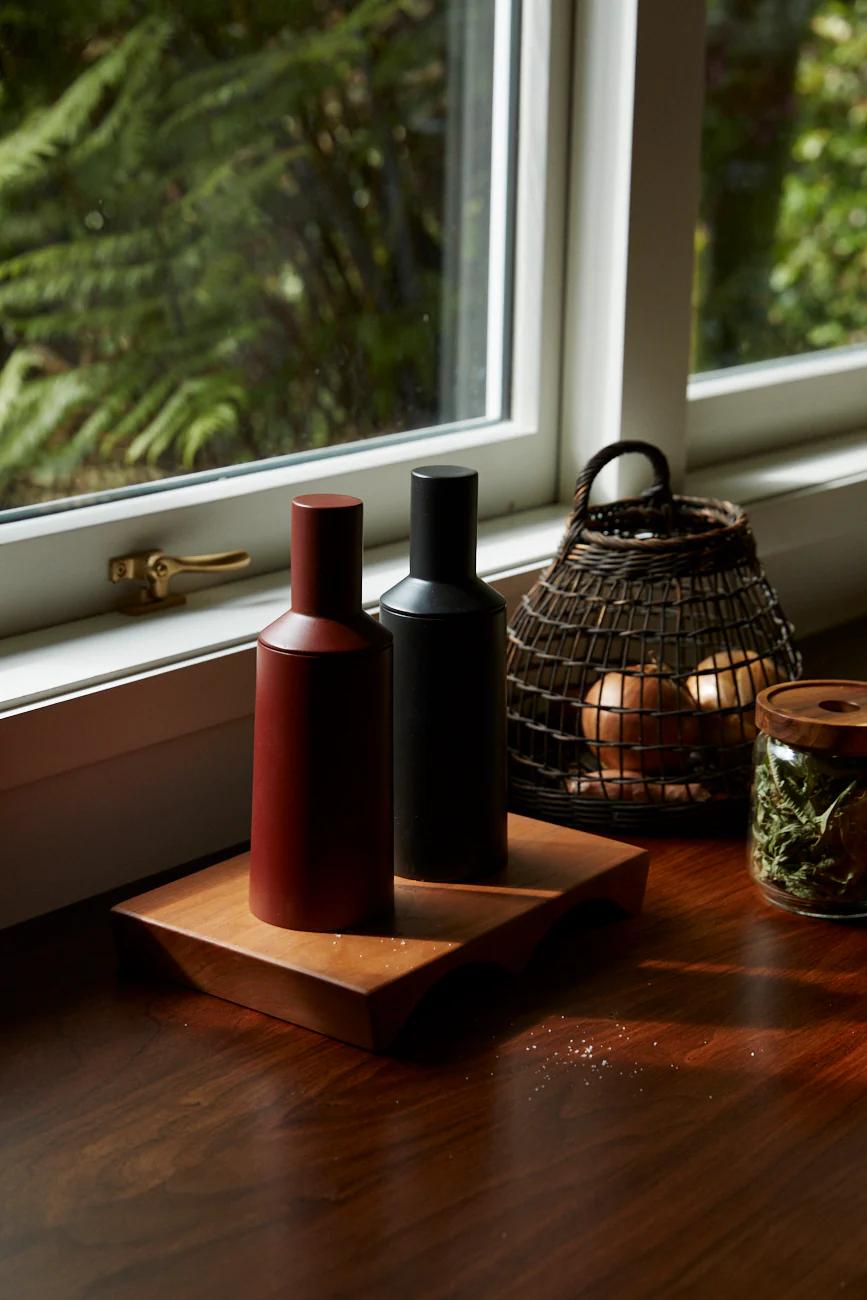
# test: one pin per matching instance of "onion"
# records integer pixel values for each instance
(631, 718)
(730, 679)
(631, 787)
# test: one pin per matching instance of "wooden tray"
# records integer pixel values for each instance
(362, 986)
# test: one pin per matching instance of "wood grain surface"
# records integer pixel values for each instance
(362, 986)
(675, 1105)
(829, 716)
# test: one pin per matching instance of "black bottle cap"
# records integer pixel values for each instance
(444, 505)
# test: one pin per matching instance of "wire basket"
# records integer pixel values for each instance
(634, 662)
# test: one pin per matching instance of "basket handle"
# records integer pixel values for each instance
(659, 493)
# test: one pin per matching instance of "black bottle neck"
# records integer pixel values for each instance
(443, 529)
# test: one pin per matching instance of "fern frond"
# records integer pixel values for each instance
(219, 419)
(33, 226)
(196, 83)
(230, 90)
(141, 411)
(111, 329)
(250, 77)
(44, 408)
(132, 101)
(63, 460)
(49, 132)
(79, 285)
(239, 178)
(79, 254)
(12, 378)
(189, 404)
(166, 424)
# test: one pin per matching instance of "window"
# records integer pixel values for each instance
(557, 216)
(522, 198)
(780, 322)
(229, 238)
(265, 247)
(782, 235)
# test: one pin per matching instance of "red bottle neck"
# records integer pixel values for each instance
(326, 556)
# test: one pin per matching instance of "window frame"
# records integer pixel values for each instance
(636, 171)
(632, 210)
(774, 405)
(770, 406)
(516, 457)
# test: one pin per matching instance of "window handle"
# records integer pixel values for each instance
(156, 570)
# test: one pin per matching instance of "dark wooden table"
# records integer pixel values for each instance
(670, 1106)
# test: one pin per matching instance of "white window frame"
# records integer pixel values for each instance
(632, 213)
(786, 439)
(772, 405)
(53, 567)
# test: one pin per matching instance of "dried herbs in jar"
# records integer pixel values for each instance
(809, 820)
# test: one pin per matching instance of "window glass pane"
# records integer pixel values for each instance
(781, 247)
(230, 232)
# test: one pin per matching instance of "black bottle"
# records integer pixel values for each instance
(449, 632)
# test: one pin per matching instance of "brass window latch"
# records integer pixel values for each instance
(156, 570)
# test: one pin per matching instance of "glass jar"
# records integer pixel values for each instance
(808, 842)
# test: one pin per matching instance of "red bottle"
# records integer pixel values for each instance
(322, 836)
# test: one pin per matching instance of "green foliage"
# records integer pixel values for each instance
(810, 824)
(820, 262)
(782, 238)
(49, 134)
(217, 243)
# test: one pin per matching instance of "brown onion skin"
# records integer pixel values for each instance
(631, 787)
(640, 687)
(730, 679)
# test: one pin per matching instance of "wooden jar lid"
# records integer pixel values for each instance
(826, 715)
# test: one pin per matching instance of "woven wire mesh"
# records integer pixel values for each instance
(634, 661)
